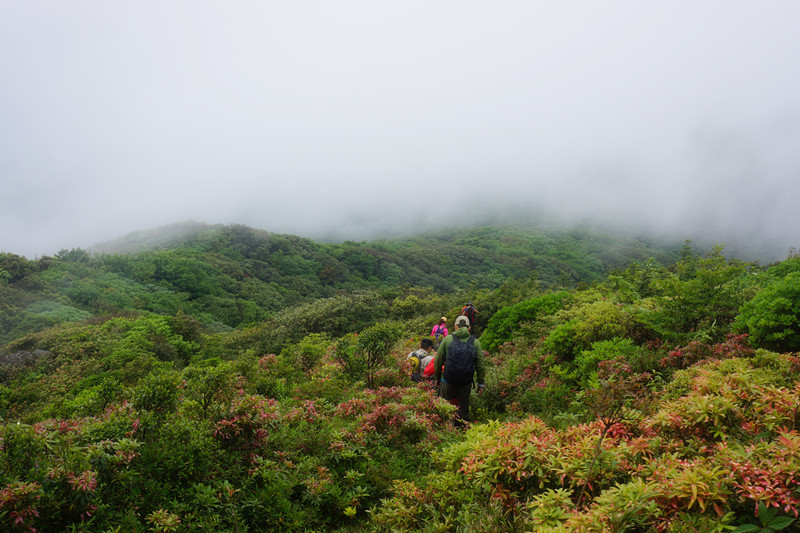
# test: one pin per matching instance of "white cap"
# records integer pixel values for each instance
(461, 319)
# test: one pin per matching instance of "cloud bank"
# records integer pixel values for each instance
(355, 119)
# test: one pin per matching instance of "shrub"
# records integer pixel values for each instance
(362, 355)
(772, 317)
(586, 363)
(158, 392)
(505, 322)
(630, 506)
(210, 385)
(18, 506)
(300, 358)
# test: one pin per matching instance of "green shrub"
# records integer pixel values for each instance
(58, 311)
(587, 361)
(505, 322)
(300, 358)
(561, 342)
(630, 506)
(212, 387)
(94, 399)
(772, 317)
(158, 392)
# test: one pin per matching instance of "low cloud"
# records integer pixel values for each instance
(346, 120)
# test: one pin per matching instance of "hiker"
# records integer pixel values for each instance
(439, 332)
(469, 311)
(420, 359)
(459, 357)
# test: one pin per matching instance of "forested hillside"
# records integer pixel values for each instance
(227, 276)
(624, 392)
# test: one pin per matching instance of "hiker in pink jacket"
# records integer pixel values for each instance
(439, 331)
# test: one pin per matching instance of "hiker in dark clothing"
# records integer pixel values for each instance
(458, 359)
(469, 311)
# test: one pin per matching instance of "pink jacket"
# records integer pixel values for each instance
(443, 331)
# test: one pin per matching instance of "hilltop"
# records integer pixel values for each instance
(228, 276)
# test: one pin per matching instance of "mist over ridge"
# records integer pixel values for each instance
(351, 121)
(175, 233)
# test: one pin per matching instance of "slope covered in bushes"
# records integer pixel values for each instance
(655, 399)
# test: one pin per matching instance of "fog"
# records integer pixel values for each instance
(351, 120)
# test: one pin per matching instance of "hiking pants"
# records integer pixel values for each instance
(459, 392)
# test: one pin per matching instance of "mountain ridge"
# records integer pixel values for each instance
(231, 275)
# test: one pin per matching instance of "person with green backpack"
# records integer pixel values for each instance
(459, 362)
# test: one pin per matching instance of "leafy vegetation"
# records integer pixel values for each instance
(230, 276)
(207, 385)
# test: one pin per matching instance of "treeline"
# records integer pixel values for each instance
(227, 276)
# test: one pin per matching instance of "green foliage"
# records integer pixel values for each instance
(588, 361)
(701, 299)
(94, 399)
(211, 385)
(592, 316)
(58, 311)
(158, 392)
(233, 276)
(625, 406)
(417, 301)
(768, 521)
(551, 508)
(369, 350)
(506, 321)
(630, 506)
(638, 281)
(299, 359)
(346, 356)
(561, 342)
(332, 316)
(772, 317)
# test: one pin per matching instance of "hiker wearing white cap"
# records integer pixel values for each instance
(459, 361)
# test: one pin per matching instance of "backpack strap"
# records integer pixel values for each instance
(471, 342)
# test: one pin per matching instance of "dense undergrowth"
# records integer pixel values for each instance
(657, 399)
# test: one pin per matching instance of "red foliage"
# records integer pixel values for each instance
(696, 351)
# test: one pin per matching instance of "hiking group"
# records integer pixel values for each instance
(458, 363)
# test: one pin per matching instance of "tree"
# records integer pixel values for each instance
(363, 354)
(701, 299)
(772, 317)
(375, 343)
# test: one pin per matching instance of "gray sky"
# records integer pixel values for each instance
(357, 117)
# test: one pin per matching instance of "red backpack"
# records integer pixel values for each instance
(430, 370)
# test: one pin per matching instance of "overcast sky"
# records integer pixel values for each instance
(315, 117)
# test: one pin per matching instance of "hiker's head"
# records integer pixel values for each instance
(443, 320)
(462, 322)
(425, 344)
(469, 304)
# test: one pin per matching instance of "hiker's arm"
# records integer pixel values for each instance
(480, 365)
(438, 362)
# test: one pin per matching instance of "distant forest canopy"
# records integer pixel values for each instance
(227, 276)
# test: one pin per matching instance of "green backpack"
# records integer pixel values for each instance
(416, 371)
